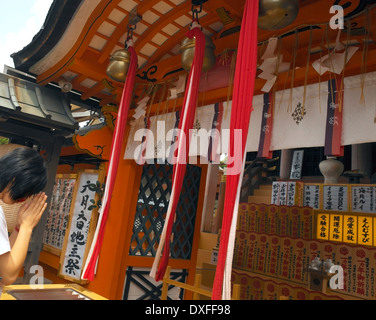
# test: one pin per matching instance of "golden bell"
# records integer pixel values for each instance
(277, 14)
(188, 54)
(119, 64)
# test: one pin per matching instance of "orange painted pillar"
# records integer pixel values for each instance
(109, 279)
(114, 255)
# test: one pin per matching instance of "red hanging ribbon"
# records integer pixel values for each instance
(116, 147)
(186, 123)
(266, 127)
(244, 82)
(333, 132)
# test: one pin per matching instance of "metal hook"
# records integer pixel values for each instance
(134, 18)
(195, 12)
(131, 29)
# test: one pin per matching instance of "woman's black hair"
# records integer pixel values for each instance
(24, 171)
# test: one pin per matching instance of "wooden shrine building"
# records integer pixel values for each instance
(314, 98)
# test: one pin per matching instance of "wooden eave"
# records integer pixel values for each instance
(33, 106)
(158, 36)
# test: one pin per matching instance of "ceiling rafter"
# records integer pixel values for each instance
(172, 41)
(115, 38)
(161, 23)
(90, 69)
(93, 91)
(97, 22)
(102, 36)
(78, 80)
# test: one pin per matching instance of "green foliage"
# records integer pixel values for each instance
(4, 140)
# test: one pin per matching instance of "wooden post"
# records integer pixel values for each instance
(198, 279)
(210, 195)
(221, 202)
(36, 242)
(165, 284)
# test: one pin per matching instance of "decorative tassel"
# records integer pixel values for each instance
(244, 82)
(185, 124)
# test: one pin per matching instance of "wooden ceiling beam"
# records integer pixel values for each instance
(161, 23)
(90, 69)
(112, 42)
(78, 80)
(93, 92)
(172, 41)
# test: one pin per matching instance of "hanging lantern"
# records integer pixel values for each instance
(277, 14)
(119, 64)
(188, 53)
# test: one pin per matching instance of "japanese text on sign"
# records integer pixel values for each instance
(363, 199)
(79, 227)
(348, 228)
(335, 198)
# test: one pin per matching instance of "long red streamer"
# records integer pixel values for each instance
(185, 124)
(117, 143)
(244, 82)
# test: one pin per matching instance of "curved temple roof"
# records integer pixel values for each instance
(27, 103)
(79, 36)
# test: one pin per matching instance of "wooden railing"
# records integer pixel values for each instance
(254, 174)
(196, 288)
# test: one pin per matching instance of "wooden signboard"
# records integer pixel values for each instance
(312, 196)
(363, 198)
(297, 163)
(335, 197)
(58, 213)
(286, 193)
(81, 227)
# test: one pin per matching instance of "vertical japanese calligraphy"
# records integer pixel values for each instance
(275, 193)
(336, 227)
(77, 235)
(311, 196)
(293, 221)
(363, 198)
(350, 229)
(334, 119)
(335, 197)
(365, 230)
(266, 127)
(322, 226)
(285, 193)
(58, 213)
(297, 163)
(347, 238)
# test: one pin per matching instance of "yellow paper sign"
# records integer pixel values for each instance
(350, 229)
(323, 226)
(336, 224)
(365, 230)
